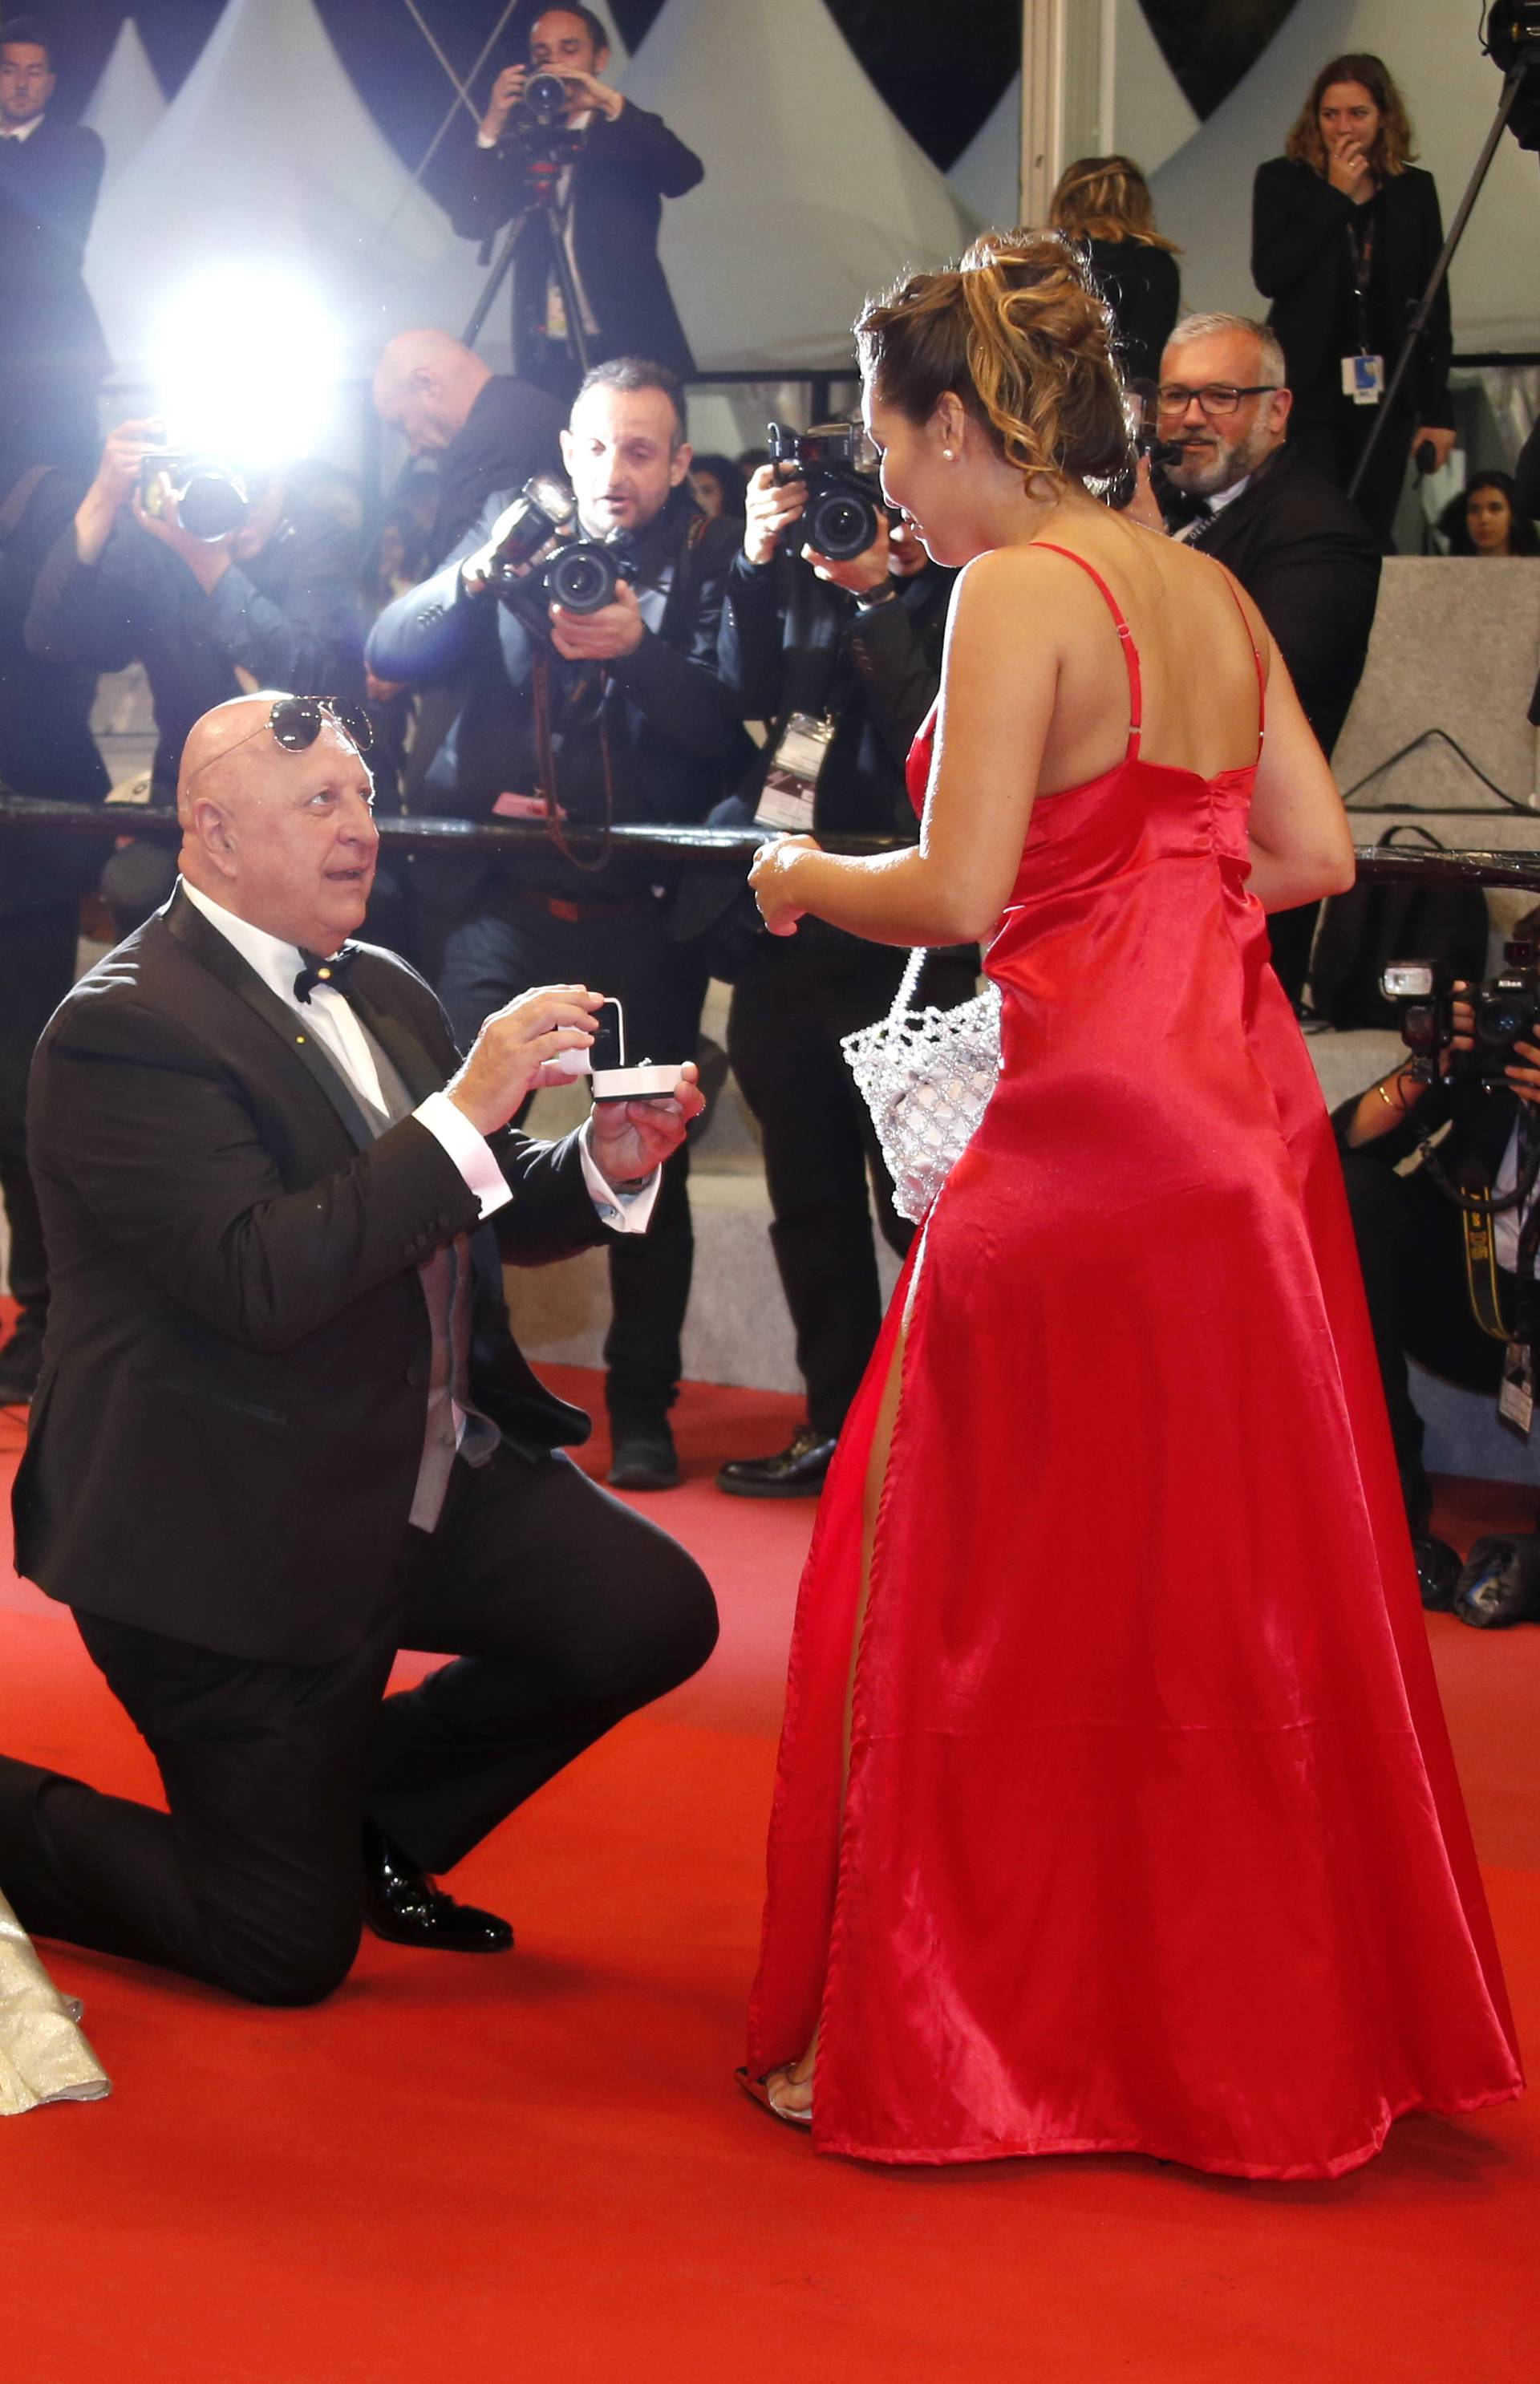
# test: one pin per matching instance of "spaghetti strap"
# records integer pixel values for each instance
(1130, 651)
(1256, 656)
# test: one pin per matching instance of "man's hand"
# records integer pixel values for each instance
(507, 91)
(601, 636)
(117, 479)
(862, 572)
(513, 1054)
(1348, 169)
(771, 880)
(585, 91)
(207, 559)
(769, 504)
(1442, 441)
(628, 1140)
(1144, 506)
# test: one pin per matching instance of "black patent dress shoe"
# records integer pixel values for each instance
(1500, 1584)
(643, 1458)
(1437, 1573)
(400, 1903)
(794, 1472)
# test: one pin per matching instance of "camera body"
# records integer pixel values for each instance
(210, 495)
(844, 500)
(538, 136)
(1505, 1009)
(542, 558)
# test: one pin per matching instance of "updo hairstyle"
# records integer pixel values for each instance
(1020, 333)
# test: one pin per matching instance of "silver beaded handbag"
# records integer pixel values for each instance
(927, 1076)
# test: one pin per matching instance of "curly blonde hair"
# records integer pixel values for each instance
(1394, 146)
(1020, 333)
(1107, 198)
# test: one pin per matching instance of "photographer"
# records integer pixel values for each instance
(617, 166)
(639, 729)
(54, 354)
(1411, 1241)
(486, 430)
(854, 649)
(276, 599)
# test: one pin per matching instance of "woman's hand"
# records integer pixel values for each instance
(772, 882)
(1348, 169)
(1525, 1079)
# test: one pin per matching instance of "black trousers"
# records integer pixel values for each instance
(564, 1610)
(795, 996)
(1332, 432)
(37, 968)
(494, 955)
(1412, 1248)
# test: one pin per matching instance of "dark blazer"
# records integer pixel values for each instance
(46, 749)
(1299, 259)
(1303, 554)
(225, 1437)
(512, 431)
(625, 170)
(48, 187)
(1143, 288)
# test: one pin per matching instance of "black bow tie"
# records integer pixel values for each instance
(322, 972)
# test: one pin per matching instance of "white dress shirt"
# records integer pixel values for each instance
(22, 132)
(331, 1018)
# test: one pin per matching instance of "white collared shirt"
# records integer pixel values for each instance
(331, 1018)
(22, 132)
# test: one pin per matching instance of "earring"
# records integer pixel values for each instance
(948, 453)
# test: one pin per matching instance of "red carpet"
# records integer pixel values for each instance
(539, 2168)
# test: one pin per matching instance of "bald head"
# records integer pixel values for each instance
(425, 387)
(285, 840)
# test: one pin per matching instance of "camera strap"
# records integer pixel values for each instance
(545, 771)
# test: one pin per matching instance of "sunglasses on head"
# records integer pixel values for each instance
(297, 720)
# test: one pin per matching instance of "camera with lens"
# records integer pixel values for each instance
(537, 132)
(542, 560)
(1504, 1010)
(210, 496)
(844, 500)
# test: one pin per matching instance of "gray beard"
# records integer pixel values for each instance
(1213, 476)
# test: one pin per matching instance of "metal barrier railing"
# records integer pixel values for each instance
(408, 832)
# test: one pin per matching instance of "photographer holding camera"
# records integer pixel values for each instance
(842, 653)
(274, 597)
(616, 165)
(603, 708)
(1442, 1287)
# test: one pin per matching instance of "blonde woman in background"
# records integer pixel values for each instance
(1105, 202)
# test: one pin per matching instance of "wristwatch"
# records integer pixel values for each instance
(868, 599)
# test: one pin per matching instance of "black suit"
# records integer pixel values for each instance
(1302, 243)
(1307, 560)
(627, 167)
(54, 355)
(1143, 287)
(224, 1451)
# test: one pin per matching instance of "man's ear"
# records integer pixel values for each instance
(568, 451)
(210, 829)
(679, 463)
(1283, 407)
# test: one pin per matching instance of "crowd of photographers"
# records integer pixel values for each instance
(563, 618)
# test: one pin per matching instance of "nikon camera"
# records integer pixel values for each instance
(541, 560)
(839, 463)
(1506, 1011)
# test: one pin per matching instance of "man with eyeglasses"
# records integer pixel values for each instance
(1236, 489)
(284, 1429)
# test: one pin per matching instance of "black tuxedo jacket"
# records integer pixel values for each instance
(48, 187)
(1299, 259)
(225, 1437)
(626, 168)
(1310, 564)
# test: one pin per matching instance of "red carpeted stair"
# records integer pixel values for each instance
(539, 2168)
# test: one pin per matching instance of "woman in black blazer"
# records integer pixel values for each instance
(1104, 203)
(1344, 234)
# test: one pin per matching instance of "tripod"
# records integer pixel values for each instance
(541, 174)
(1518, 75)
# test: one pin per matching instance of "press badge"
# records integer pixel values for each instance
(1516, 1398)
(1363, 379)
(791, 782)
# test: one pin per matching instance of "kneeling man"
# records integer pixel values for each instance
(284, 1429)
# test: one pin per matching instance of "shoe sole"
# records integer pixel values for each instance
(771, 1489)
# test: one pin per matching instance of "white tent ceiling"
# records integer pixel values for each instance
(128, 104)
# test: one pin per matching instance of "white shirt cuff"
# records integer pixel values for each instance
(470, 1150)
(624, 1212)
(483, 141)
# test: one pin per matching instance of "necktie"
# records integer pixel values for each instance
(317, 971)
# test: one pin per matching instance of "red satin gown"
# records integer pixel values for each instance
(1153, 1840)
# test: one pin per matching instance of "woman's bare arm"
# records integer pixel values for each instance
(1301, 844)
(998, 681)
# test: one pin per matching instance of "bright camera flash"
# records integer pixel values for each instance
(247, 362)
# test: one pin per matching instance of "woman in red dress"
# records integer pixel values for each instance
(1115, 1810)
